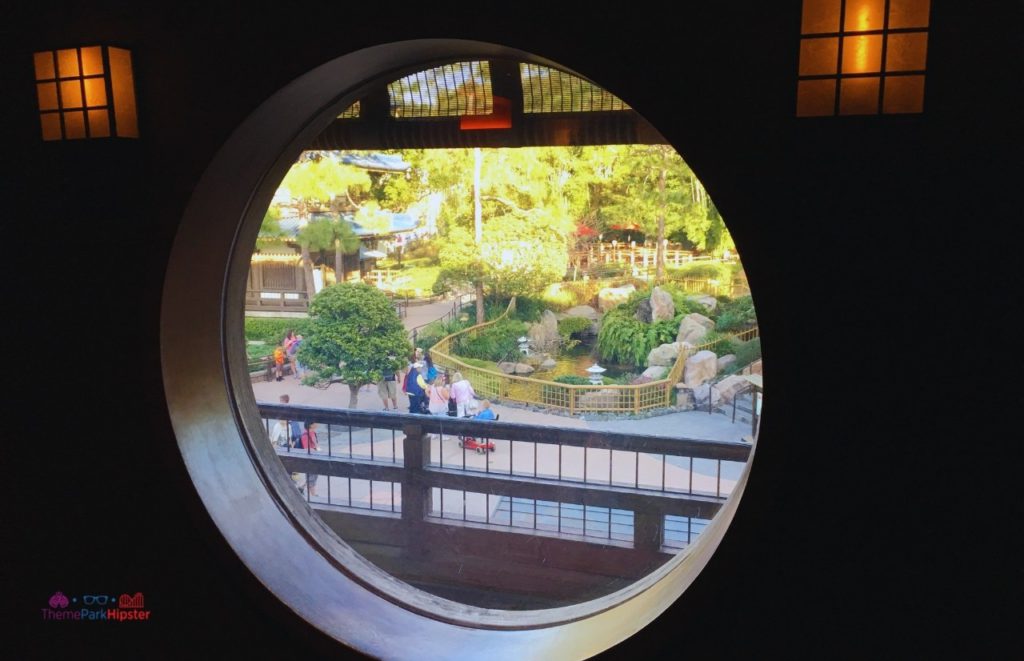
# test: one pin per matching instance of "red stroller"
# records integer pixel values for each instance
(481, 446)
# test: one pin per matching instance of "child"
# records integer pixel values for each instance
(279, 355)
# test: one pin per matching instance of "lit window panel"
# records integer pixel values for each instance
(86, 92)
(862, 57)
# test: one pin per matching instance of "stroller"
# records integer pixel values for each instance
(471, 443)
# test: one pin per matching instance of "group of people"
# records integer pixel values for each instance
(288, 351)
(431, 391)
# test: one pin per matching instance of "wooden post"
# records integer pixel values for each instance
(636, 400)
(572, 401)
(648, 529)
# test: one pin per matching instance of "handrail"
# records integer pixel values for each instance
(515, 431)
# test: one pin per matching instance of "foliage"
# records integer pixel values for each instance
(489, 365)
(573, 326)
(735, 314)
(433, 332)
(495, 343)
(719, 271)
(720, 343)
(625, 339)
(272, 331)
(747, 352)
(572, 379)
(356, 335)
(529, 308)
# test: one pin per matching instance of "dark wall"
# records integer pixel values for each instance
(879, 499)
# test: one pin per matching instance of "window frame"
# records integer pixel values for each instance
(247, 491)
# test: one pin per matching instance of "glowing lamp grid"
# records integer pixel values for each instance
(862, 57)
(86, 92)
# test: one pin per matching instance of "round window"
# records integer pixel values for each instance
(461, 234)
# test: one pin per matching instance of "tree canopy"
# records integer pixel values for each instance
(355, 334)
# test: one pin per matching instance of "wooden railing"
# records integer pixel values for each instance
(632, 398)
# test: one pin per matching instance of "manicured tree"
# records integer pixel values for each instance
(355, 334)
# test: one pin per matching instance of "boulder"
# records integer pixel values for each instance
(507, 368)
(693, 327)
(643, 311)
(724, 362)
(609, 297)
(755, 367)
(604, 398)
(584, 311)
(548, 363)
(665, 354)
(701, 394)
(730, 386)
(700, 367)
(655, 372)
(640, 380)
(709, 302)
(685, 400)
(544, 334)
(662, 305)
(522, 368)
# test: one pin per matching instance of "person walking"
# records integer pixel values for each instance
(416, 388)
(463, 394)
(387, 387)
(308, 442)
(279, 356)
(437, 396)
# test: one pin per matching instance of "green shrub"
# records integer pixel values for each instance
(494, 343)
(433, 332)
(735, 314)
(747, 352)
(529, 308)
(572, 380)
(702, 270)
(625, 339)
(720, 343)
(272, 330)
(573, 326)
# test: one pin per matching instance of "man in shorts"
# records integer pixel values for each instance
(387, 388)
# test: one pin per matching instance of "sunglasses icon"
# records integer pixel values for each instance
(91, 599)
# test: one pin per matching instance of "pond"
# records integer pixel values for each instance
(575, 362)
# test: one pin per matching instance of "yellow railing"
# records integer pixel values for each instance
(490, 384)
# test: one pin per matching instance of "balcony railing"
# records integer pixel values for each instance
(637, 491)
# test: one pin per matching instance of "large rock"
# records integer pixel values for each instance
(665, 354)
(544, 334)
(709, 302)
(640, 380)
(726, 361)
(701, 394)
(755, 367)
(609, 297)
(584, 311)
(730, 386)
(693, 328)
(522, 368)
(548, 363)
(604, 398)
(684, 398)
(655, 372)
(507, 368)
(643, 311)
(700, 367)
(662, 305)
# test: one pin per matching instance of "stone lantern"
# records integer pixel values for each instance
(595, 371)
